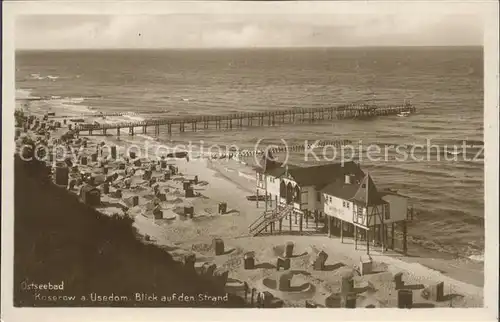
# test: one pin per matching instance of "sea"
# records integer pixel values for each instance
(445, 84)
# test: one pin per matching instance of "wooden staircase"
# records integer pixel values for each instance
(268, 217)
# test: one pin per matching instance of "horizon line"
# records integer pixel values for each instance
(247, 47)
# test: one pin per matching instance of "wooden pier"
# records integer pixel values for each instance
(252, 119)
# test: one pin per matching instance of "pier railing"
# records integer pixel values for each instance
(239, 120)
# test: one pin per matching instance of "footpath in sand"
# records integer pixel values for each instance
(154, 193)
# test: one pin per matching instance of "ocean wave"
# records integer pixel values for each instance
(113, 120)
(132, 117)
(452, 216)
(443, 145)
(147, 137)
(427, 127)
(474, 142)
(404, 167)
(450, 247)
(71, 100)
(40, 77)
(477, 258)
(23, 93)
(65, 105)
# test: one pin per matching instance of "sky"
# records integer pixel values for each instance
(245, 30)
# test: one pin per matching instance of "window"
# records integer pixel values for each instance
(304, 197)
(260, 180)
(360, 218)
(347, 204)
(363, 185)
(343, 203)
(318, 196)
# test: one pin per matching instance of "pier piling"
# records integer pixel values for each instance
(269, 118)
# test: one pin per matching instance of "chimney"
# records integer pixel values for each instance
(348, 179)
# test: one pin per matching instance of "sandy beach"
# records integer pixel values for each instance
(153, 193)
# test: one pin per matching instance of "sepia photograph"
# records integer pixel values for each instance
(269, 158)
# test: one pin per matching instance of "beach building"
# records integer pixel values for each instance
(340, 195)
(358, 208)
(302, 186)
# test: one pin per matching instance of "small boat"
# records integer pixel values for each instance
(404, 114)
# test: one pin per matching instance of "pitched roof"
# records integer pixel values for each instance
(367, 193)
(274, 168)
(322, 175)
(364, 192)
(341, 190)
(318, 175)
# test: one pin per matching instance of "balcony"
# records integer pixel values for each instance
(359, 217)
(360, 220)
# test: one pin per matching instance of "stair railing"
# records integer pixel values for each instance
(268, 217)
